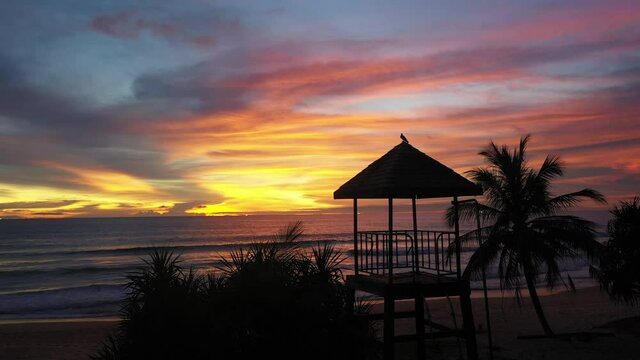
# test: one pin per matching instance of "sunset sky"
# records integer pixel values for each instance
(118, 108)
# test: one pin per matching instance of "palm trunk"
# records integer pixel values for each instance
(536, 303)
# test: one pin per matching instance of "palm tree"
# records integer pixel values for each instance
(619, 270)
(528, 235)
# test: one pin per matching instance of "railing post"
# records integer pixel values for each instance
(378, 254)
(416, 265)
(457, 234)
(436, 237)
(355, 235)
(390, 254)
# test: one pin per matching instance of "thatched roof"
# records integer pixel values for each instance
(405, 172)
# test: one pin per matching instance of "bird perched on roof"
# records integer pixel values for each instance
(404, 138)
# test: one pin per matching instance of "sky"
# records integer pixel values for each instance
(121, 108)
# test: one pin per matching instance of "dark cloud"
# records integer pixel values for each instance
(53, 114)
(196, 89)
(51, 213)
(200, 28)
(180, 209)
(602, 145)
(127, 25)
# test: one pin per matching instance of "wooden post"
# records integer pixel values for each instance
(457, 235)
(389, 324)
(484, 287)
(467, 319)
(390, 245)
(419, 307)
(355, 235)
(416, 249)
(389, 301)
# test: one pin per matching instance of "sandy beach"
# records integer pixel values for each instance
(585, 311)
(607, 331)
(58, 340)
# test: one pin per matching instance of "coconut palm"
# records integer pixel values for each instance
(528, 235)
(619, 271)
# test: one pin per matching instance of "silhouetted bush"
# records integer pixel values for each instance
(271, 300)
(619, 270)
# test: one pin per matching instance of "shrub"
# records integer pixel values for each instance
(619, 271)
(271, 300)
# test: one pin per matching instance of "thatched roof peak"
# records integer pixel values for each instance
(405, 172)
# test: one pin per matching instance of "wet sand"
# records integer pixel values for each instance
(56, 340)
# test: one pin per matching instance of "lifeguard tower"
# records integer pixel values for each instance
(416, 263)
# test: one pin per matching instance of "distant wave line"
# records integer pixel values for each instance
(138, 249)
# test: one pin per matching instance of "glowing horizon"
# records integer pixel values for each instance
(122, 110)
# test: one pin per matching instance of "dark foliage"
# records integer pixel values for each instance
(619, 270)
(272, 301)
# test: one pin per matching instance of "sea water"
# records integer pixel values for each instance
(77, 267)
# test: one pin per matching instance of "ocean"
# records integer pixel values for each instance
(76, 267)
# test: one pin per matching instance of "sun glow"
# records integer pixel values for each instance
(36, 201)
(264, 190)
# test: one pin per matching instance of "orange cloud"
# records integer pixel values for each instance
(105, 180)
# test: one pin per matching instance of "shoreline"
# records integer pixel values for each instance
(493, 294)
(60, 320)
(588, 313)
(476, 295)
(104, 300)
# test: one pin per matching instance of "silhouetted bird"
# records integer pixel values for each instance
(404, 139)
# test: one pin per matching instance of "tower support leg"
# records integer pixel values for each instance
(389, 326)
(419, 304)
(469, 325)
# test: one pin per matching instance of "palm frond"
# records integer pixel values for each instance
(482, 257)
(290, 233)
(550, 169)
(492, 184)
(524, 141)
(569, 200)
(467, 212)
(235, 263)
(326, 261)
(574, 232)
